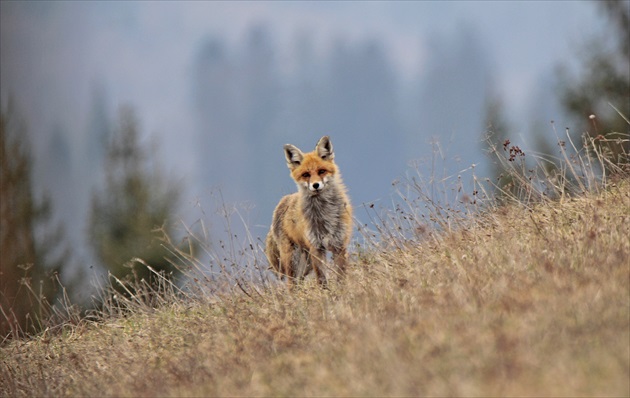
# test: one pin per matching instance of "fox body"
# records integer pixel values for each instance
(312, 221)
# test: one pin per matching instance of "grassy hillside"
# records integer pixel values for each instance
(524, 300)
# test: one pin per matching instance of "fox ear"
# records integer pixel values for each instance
(294, 156)
(324, 148)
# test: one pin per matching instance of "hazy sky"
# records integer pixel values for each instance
(53, 52)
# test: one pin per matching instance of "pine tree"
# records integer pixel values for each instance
(136, 205)
(28, 273)
(605, 81)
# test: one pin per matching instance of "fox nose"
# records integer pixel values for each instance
(316, 185)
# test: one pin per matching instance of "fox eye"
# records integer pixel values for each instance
(306, 175)
(321, 172)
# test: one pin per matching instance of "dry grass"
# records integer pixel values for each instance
(524, 301)
(528, 298)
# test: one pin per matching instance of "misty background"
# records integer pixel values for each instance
(219, 87)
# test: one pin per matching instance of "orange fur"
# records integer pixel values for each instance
(312, 221)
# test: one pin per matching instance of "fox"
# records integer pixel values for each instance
(313, 221)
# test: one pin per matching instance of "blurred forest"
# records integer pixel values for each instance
(246, 102)
(246, 105)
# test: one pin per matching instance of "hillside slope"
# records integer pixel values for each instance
(524, 301)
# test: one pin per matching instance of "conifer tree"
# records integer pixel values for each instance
(136, 205)
(591, 98)
(28, 271)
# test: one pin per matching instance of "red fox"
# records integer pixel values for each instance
(312, 221)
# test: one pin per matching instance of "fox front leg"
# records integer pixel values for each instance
(286, 261)
(318, 262)
(340, 259)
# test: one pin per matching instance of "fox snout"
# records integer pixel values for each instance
(316, 186)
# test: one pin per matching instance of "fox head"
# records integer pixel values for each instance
(314, 171)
